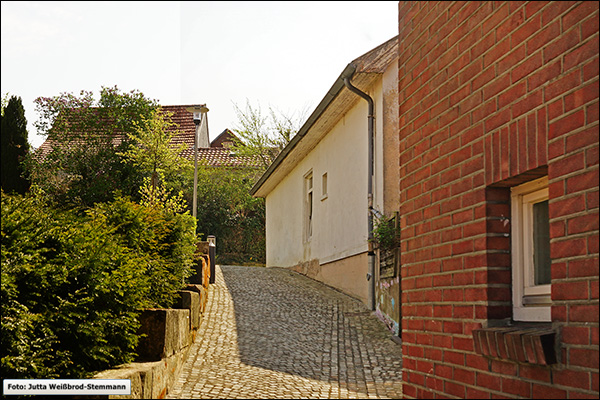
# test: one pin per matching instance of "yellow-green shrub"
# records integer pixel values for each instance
(73, 285)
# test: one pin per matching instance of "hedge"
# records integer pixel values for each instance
(74, 283)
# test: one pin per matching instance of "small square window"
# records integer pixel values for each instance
(531, 263)
(324, 186)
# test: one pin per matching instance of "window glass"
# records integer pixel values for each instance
(541, 243)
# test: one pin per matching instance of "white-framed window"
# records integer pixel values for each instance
(324, 186)
(308, 206)
(530, 240)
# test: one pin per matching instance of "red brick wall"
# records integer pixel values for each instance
(493, 94)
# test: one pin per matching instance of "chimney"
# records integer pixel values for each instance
(203, 141)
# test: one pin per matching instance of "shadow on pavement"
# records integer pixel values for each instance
(289, 323)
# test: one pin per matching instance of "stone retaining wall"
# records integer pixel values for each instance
(166, 338)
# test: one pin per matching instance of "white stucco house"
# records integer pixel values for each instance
(317, 189)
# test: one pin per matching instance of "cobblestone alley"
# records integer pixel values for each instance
(272, 333)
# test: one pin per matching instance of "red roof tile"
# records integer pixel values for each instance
(220, 157)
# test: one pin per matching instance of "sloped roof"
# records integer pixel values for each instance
(185, 129)
(225, 137)
(378, 59)
(220, 157)
(183, 123)
(363, 71)
(216, 155)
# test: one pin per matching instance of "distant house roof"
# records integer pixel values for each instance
(225, 139)
(363, 71)
(217, 155)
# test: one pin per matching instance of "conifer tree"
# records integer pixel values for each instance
(14, 147)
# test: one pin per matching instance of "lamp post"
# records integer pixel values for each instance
(199, 112)
(212, 254)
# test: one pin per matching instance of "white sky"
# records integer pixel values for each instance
(284, 55)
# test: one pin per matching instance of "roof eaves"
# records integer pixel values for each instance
(374, 61)
(335, 90)
(377, 59)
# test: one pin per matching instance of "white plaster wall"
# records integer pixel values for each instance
(283, 227)
(340, 220)
(386, 150)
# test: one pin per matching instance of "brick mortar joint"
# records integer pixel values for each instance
(571, 175)
(569, 196)
(576, 109)
(445, 273)
(579, 235)
(473, 253)
(492, 391)
(587, 278)
(565, 218)
(571, 133)
(576, 302)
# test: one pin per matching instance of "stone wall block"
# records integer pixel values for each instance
(190, 300)
(163, 332)
(202, 292)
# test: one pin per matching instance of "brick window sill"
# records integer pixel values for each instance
(524, 344)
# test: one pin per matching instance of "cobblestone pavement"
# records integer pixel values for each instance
(272, 333)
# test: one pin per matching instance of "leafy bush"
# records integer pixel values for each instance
(73, 285)
(386, 235)
(163, 240)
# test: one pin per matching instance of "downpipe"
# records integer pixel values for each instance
(371, 252)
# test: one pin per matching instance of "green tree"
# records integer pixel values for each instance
(227, 210)
(225, 207)
(84, 166)
(150, 150)
(15, 147)
(264, 136)
(5, 98)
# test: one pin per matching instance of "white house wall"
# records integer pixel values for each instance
(340, 220)
(336, 252)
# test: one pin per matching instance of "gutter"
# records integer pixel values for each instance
(371, 130)
(335, 90)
